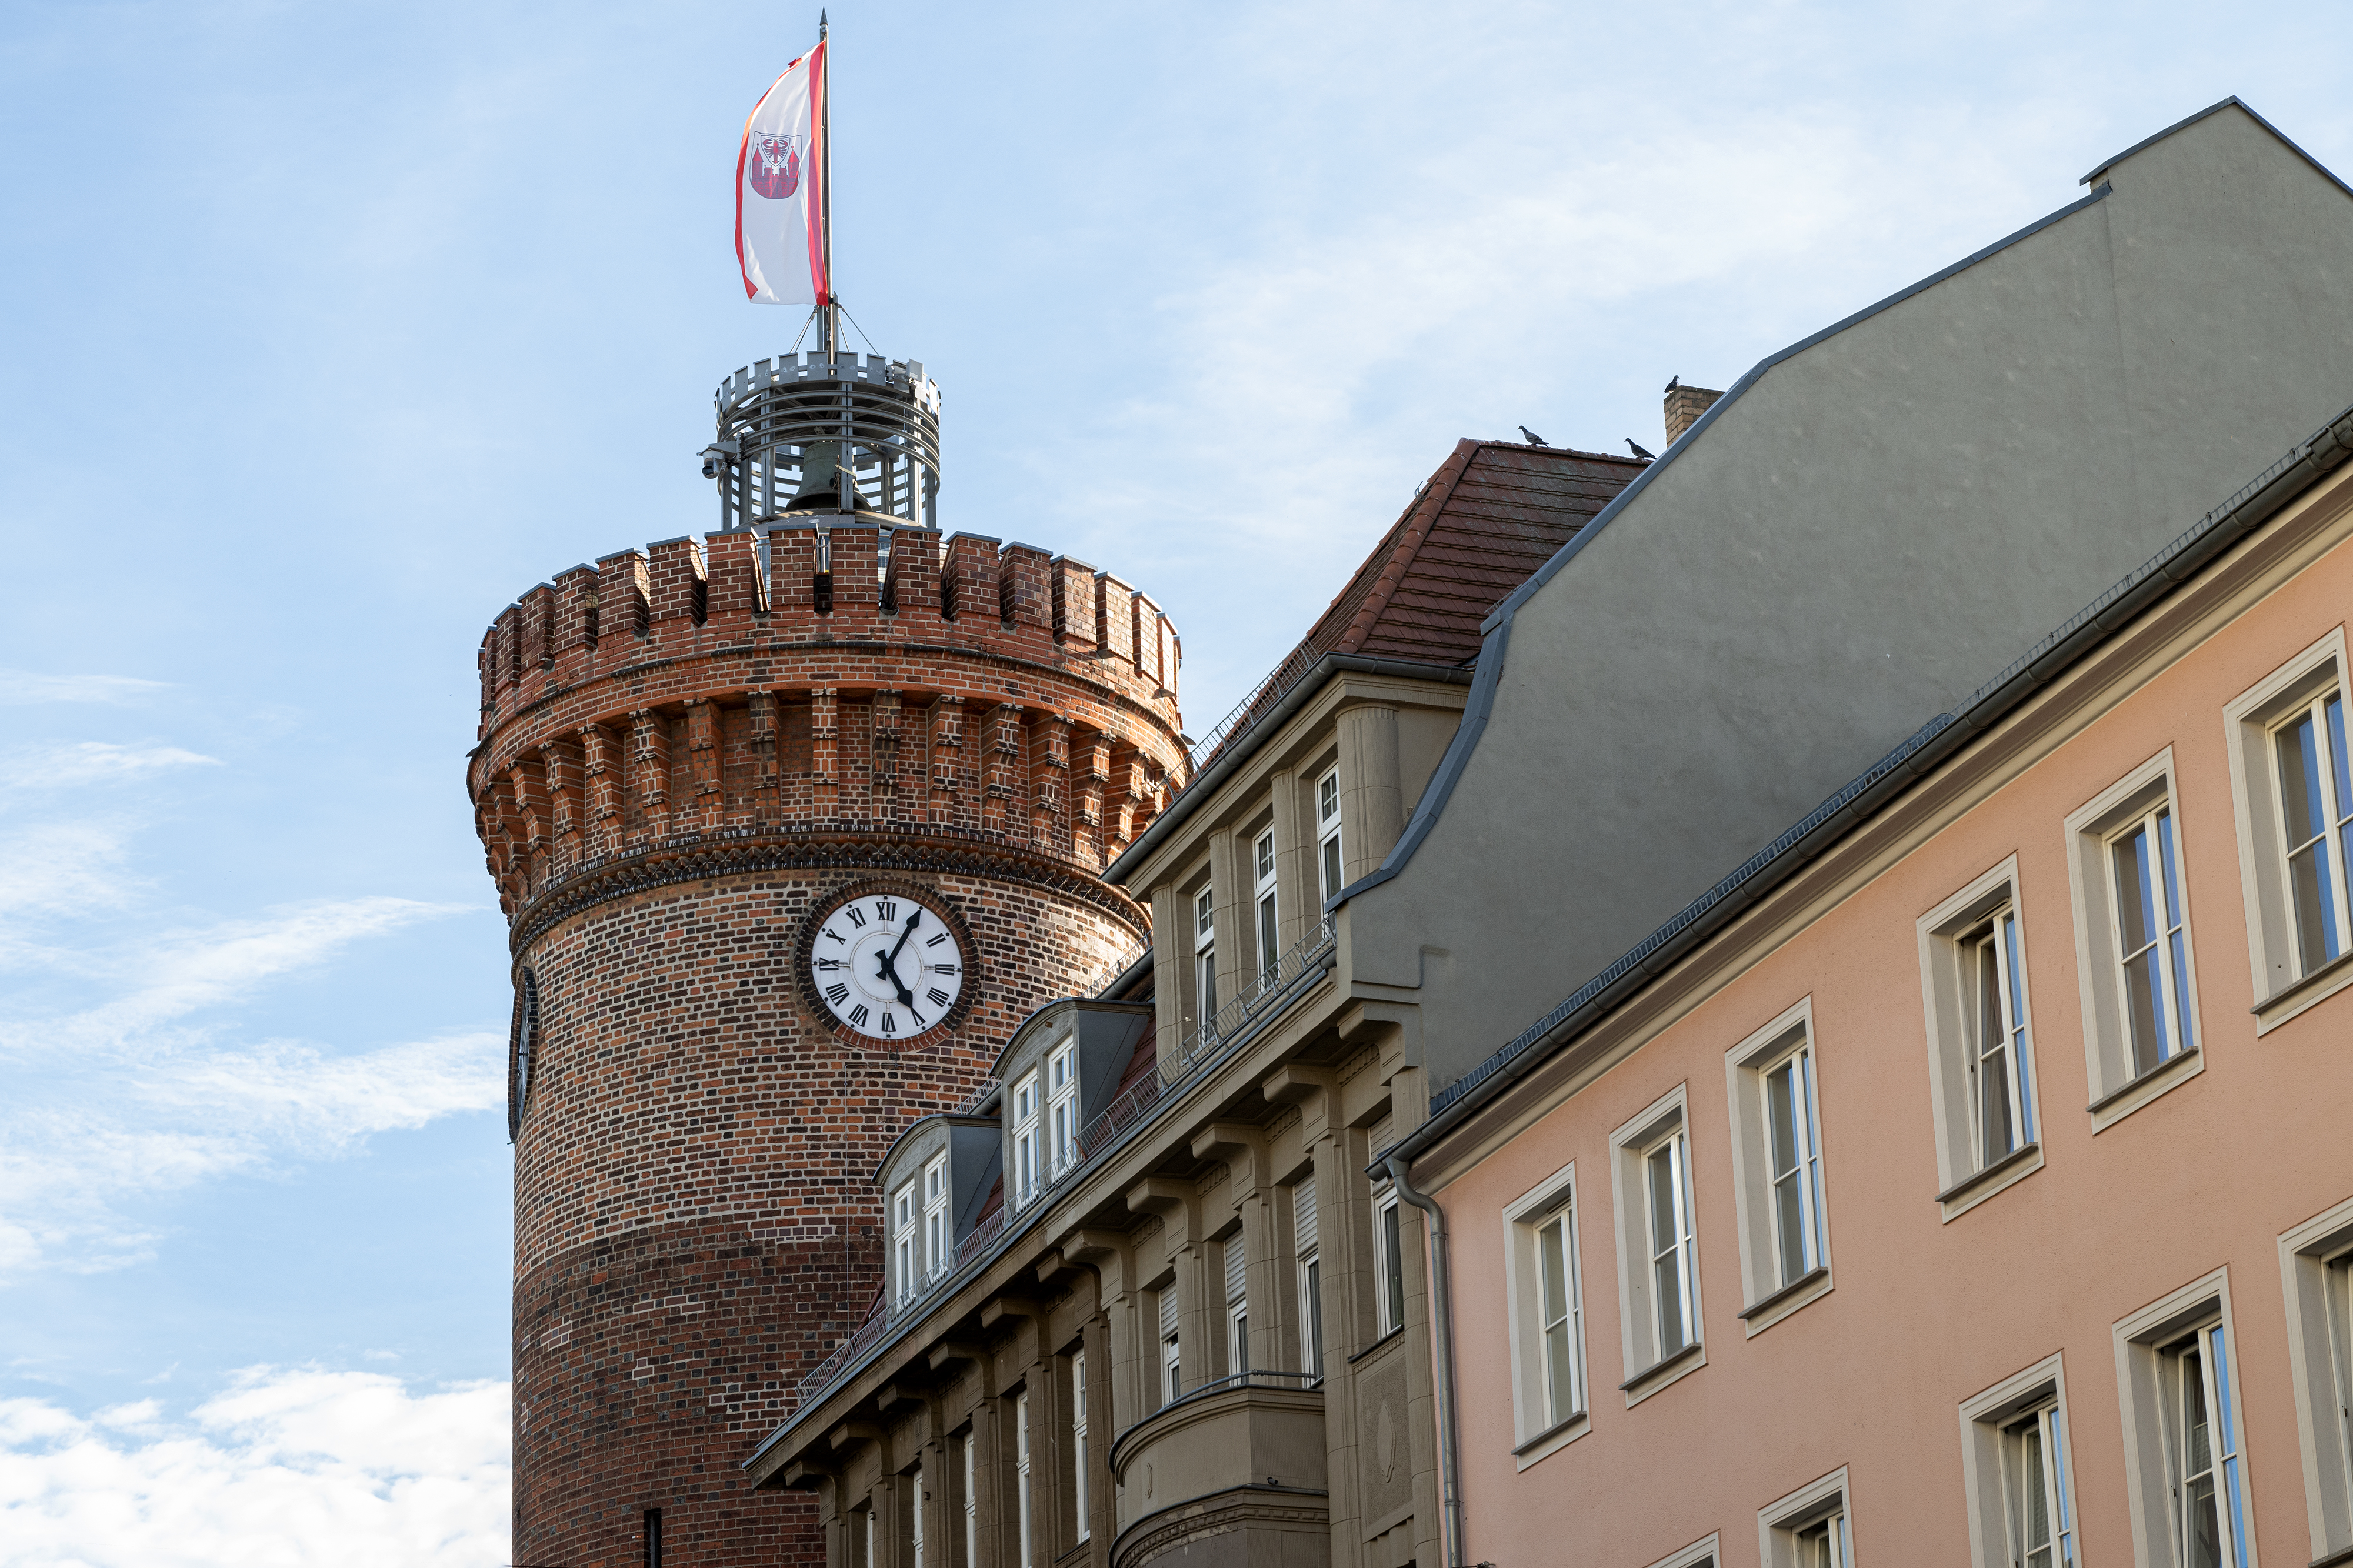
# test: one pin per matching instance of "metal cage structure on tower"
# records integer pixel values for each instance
(790, 428)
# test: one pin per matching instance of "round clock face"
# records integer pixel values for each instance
(885, 965)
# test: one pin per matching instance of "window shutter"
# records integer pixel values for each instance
(1236, 1263)
(1302, 1223)
(1384, 1133)
(1168, 1309)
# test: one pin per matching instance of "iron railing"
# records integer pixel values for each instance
(1270, 985)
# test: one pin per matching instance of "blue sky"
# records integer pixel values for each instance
(330, 329)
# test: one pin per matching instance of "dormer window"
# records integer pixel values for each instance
(1328, 831)
(906, 1266)
(935, 1216)
(1062, 1106)
(1027, 1167)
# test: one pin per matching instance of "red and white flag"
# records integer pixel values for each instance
(779, 206)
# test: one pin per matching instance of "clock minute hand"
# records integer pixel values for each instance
(915, 919)
(887, 970)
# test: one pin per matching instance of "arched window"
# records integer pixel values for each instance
(526, 1042)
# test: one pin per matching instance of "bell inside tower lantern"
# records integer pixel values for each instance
(792, 821)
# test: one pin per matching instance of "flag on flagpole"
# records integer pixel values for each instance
(779, 205)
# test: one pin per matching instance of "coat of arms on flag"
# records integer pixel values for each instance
(779, 187)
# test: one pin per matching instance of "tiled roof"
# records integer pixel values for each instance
(1492, 514)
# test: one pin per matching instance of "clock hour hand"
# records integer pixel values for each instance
(886, 971)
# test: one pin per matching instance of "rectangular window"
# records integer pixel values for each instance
(1658, 1247)
(906, 1266)
(1546, 1308)
(2293, 794)
(2132, 942)
(1389, 1264)
(1973, 963)
(1667, 1187)
(971, 1501)
(1027, 1169)
(1808, 1529)
(936, 1217)
(1171, 1381)
(1311, 1277)
(1238, 1356)
(1021, 1472)
(2316, 1260)
(1062, 1106)
(1777, 1147)
(867, 1517)
(914, 1482)
(1270, 929)
(1079, 1440)
(653, 1538)
(2209, 1524)
(2014, 1469)
(1327, 832)
(2186, 1472)
(1205, 955)
(2316, 825)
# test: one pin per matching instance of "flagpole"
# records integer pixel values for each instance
(824, 195)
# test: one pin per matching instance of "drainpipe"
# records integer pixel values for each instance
(1449, 1484)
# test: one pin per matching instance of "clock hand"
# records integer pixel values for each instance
(888, 972)
(915, 919)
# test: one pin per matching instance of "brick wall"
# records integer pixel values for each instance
(682, 758)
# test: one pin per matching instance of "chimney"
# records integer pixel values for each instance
(1684, 405)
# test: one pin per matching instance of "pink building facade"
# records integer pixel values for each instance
(1981, 1192)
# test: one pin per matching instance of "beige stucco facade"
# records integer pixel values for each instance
(1955, 1285)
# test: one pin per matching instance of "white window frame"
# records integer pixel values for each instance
(1991, 1456)
(1062, 1106)
(1951, 955)
(1021, 1477)
(1698, 1554)
(2317, 1275)
(1204, 956)
(906, 1244)
(870, 1563)
(1540, 1360)
(1388, 1263)
(913, 1480)
(2120, 1085)
(2283, 985)
(971, 1499)
(1079, 1441)
(1171, 1340)
(2148, 1390)
(1027, 1166)
(1788, 1529)
(1237, 1303)
(1663, 1124)
(1331, 863)
(1310, 1260)
(937, 1249)
(1270, 920)
(1783, 1050)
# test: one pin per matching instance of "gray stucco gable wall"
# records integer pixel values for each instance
(1875, 524)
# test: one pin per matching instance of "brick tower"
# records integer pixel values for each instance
(698, 762)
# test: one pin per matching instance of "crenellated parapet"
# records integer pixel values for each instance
(801, 681)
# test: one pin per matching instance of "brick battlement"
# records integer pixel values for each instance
(855, 678)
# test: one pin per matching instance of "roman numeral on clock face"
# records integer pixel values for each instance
(829, 964)
(939, 997)
(937, 939)
(835, 935)
(858, 1015)
(943, 969)
(890, 1023)
(855, 917)
(837, 994)
(885, 910)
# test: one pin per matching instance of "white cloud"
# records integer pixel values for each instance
(136, 1097)
(22, 686)
(69, 764)
(289, 1466)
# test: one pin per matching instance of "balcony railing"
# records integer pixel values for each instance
(1289, 978)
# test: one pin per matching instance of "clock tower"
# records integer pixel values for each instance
(792, 824)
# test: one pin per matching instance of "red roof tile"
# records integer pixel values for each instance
(1492, 514)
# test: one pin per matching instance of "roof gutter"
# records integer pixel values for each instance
(1262, 729)
(2300, 468)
